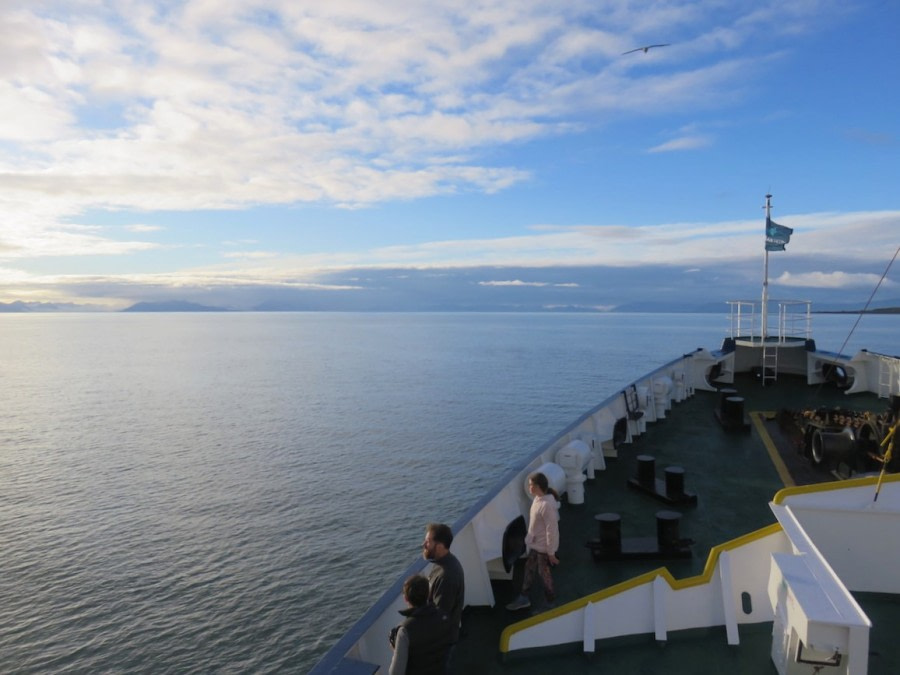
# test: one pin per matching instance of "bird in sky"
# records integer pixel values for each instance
(644, 49)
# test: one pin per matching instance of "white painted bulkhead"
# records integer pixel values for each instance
(832, 539)
(658, 604)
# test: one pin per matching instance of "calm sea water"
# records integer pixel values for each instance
(230, 492)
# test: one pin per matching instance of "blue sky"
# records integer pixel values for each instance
(446, 154)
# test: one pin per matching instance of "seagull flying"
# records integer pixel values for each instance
(644, 49)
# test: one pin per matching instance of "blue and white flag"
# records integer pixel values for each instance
(776, 235)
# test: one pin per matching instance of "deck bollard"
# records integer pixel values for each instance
(733, 410)
(610, 525)
(646, 470)
(667, 535)
(723, 395)
(674, 482)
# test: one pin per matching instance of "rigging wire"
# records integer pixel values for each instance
(863, 311)
(869, 301)
(892, 432)
(886, 456)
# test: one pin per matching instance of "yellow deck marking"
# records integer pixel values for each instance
(705, 577)
(865, 481)
(780, 467)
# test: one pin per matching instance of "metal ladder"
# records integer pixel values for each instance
(885, 373)
(769, 363)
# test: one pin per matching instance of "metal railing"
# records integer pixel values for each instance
(792, 319)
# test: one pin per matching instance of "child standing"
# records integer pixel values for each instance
(542, 540)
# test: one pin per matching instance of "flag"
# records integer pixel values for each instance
(776, 235)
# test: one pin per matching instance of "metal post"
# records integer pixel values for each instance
(765, 289)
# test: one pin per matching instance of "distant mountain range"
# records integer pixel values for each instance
(877, 310)
(20, 307)
(172, 306)
(631, 307)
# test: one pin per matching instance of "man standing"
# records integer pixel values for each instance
(420, 643)
(446, 583)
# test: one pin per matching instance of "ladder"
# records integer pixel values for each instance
(885, 373)
(769, 362)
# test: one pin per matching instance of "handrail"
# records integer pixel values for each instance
(794, 320)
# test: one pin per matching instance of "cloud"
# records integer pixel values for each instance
(580, 308)
(199, 106)
(833, 280)
(683, 143)
(250, 255)
(144, 228)
(183, 107)
(64, 242)
(515, 282)
(519, 282)
(849, 242)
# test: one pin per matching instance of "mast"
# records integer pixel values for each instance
(765, 288)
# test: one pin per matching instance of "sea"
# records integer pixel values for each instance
(229, 492)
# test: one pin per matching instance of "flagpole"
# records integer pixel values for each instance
(765, 288)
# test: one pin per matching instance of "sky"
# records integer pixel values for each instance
(449, 154)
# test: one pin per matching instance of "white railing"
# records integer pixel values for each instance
(744, 318)
(792, 319)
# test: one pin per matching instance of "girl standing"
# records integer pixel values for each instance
(542, 540)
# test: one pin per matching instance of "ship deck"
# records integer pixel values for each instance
(734, 477)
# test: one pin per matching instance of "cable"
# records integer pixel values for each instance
(869, 301)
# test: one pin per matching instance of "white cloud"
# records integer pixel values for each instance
(683, 143)
(72, 241)
(29, 114)
(250, 255)
(691, 244)
(583, 308)
(144, 228)
(519, 282)
(213, 105)
(714, 245)
(833, 280)
(514, 282)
